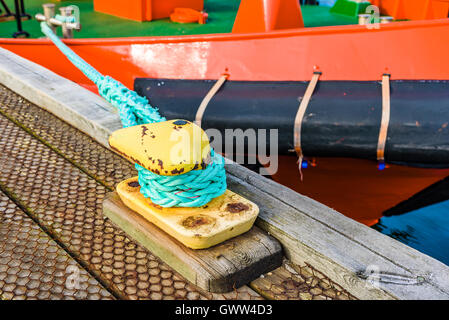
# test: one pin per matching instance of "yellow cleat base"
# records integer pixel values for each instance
(223, 218)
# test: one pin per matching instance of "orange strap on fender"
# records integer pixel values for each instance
(208, 98)
(385, 117)
(301, 112)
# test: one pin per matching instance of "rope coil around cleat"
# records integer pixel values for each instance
(192, 189)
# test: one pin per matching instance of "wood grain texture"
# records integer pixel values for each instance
(59, 96)
(336, 245)
(221, 268)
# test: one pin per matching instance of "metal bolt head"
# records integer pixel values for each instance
(66, 11)
(48, 5)
(386, 19)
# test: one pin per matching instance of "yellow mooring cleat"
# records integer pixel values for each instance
(171, 148)
(166, 148)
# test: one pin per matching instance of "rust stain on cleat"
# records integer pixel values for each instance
(134, 184)
(236, 207)
(194, 222)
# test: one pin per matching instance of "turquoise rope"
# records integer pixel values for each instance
(192, 189)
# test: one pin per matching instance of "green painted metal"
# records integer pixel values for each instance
(318, 16)
(99, 25)
(349, 7)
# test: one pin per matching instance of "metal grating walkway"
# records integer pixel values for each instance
(33, 266)
(53, 179)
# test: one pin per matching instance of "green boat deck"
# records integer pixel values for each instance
(99, 25)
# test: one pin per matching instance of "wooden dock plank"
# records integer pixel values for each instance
(338, 246)
(221, 268)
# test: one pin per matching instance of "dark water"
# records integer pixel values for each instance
(425, 229)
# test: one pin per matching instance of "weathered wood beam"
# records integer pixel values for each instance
(222, 268)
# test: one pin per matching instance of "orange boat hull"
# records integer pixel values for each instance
(407, 50)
